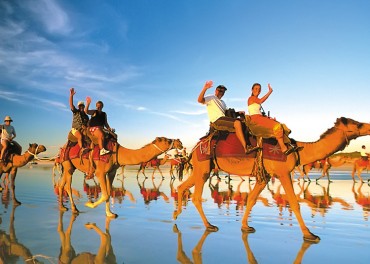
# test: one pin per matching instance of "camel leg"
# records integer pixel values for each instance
(13, 175)
(110, 179)
(67, 184)
(186, 185)
(294, 205)
(252, 199)
(197, 198)
(104, 198)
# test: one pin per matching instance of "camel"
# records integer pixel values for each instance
(324, 165)
(333, 140)
(362, 198)
(358, 166)
(177, 164)
(155, 163)
(17, 161)
(106, 171)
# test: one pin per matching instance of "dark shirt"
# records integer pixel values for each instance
(98, 119)
(79, 119)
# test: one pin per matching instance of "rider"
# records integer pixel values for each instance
(216, 112)
(79, 121)
(97, 122)
(254, 109)
(364, 154)
(7, 136)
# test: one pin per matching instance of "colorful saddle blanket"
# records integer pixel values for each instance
(72, 151)
(231, 147)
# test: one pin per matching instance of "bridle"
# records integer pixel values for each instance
(34, 154)
(165, 151)
(346, 136)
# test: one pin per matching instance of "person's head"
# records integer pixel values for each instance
(81, 105)
(99, 105)
(363, 146)
(256, 89)
(220, 91)
(7, 120)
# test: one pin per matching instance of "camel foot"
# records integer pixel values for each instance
(112, 215)
(16, 202)
(311, 238)
(62, 208)
(90, 205)
(75, 211)
(330, 181)
(175, 229)
(90, 225)
(248, 229)
(212, 228)
(176, 214)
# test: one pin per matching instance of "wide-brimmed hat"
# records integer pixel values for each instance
(7, 118)
(80, 103)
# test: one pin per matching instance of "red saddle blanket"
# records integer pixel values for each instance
(72, 152)
(363, 162)
(231, 147)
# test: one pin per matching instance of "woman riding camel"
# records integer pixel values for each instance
(79, 121)
(254, 109)
(97, 122)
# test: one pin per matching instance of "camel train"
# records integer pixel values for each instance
(333, 140)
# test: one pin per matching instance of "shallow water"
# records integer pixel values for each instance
(144, 231)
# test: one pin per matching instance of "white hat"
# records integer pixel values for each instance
(80, 103)
(7, 118)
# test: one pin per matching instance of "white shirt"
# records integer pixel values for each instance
(215, 107)
(254, 109)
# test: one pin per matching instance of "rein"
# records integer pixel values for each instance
(165, 151)
(34, 154)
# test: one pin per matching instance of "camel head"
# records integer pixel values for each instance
(168, 144)
(36, 149)
(351, 128)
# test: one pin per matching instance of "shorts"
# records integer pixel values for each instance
(93, 129)
(74, 131)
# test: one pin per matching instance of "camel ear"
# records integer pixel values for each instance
(30, 144)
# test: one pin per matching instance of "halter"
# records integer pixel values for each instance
(34, 154)
(346, 136)
(165, 151)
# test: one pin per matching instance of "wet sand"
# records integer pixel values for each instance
(145, 231)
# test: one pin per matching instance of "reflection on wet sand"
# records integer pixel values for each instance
(10, 249)
(362, 199)
(105, 253)
(197, 250)
(153, 193)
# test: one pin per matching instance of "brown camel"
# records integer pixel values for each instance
(358, 166)
(155, 163)
(17, 161)
(333, 140)
(106, 171)
(324, 165)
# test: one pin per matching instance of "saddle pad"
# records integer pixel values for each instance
(71, 152)
(231, 147)
(105, 158)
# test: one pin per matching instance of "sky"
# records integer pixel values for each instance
(148, 61)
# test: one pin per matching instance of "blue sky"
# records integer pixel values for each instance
(148, 60)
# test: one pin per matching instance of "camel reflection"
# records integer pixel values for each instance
(105, 253)
(252, 259)
(221, 197)
(322, 202)
(362, 199)
(174, 194)
(117, 193)
(10, 249)
(152, 194)
(197, 250)
(241, 198)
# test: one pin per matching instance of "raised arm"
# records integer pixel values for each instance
(72, 92)
(264, 98)
(206, 86)
(88, 102)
